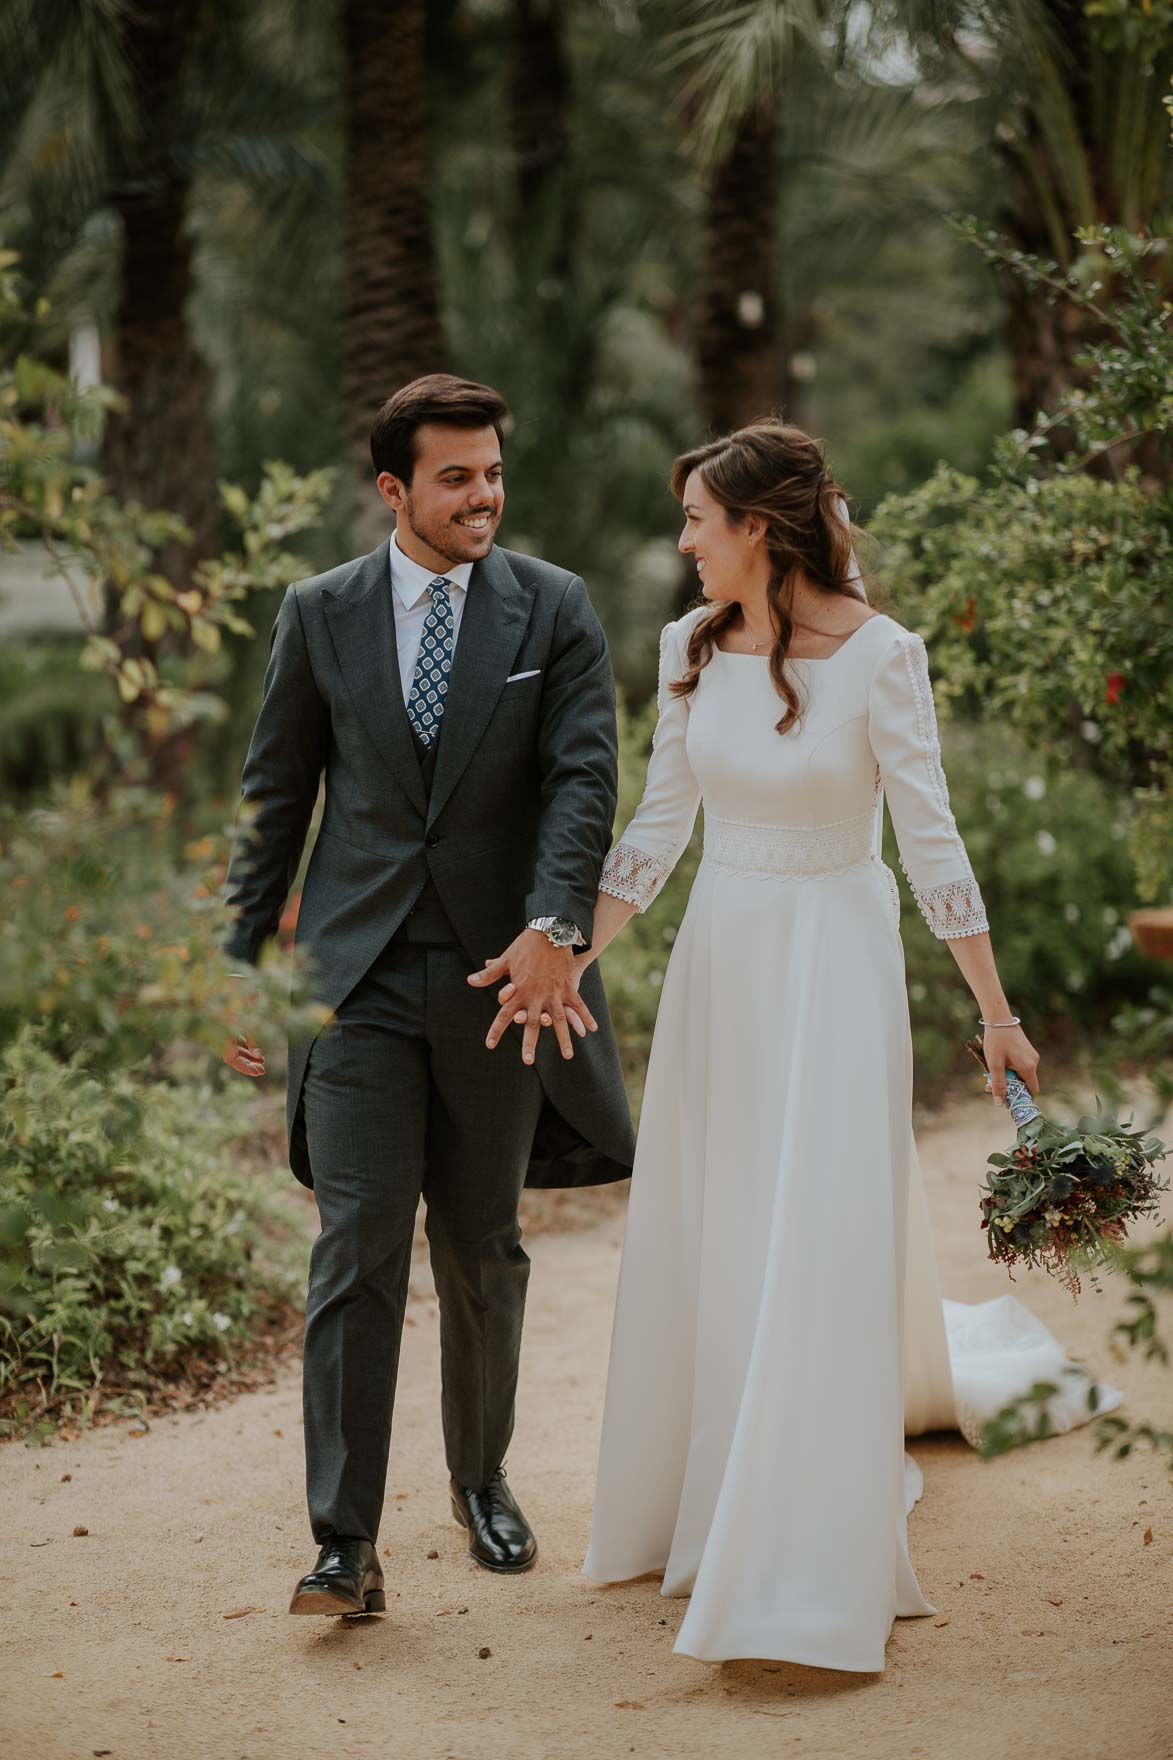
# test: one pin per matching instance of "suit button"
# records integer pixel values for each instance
(431, 842)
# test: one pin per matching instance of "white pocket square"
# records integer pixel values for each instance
(514, 676)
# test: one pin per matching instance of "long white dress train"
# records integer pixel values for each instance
(779, 1324)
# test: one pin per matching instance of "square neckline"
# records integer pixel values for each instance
(808, 659)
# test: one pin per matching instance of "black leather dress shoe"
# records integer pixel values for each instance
(499, 1537)
(346, 1579)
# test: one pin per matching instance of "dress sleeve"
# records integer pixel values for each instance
(658, 835)
(902, 728)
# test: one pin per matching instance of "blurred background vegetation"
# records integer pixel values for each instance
(935, 233)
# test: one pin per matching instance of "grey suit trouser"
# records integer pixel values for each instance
(402, 1097)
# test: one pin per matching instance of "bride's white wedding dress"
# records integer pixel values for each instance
(779, 1325)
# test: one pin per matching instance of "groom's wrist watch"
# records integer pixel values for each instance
(560, 931)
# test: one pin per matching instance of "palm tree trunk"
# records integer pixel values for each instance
(158, 451)
(739, 342)
(393, 330)
(739, 332)
(1047, 201)
(539, 119)
(1043, 339)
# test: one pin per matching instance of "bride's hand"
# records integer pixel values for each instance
(1009, 1047)
(581, 962)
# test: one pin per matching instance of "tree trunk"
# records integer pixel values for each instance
(158, 451)
(539, 117)
(392, 314)
(1044, 339)
(739, 342)
(739, 333)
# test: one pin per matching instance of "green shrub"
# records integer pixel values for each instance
(51, 713)
(1051, 853)
(1043, 588)
(131, 1236)
(111, 937)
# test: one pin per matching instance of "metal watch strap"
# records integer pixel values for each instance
(560, 931)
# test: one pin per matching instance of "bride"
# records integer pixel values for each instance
(779, 1326)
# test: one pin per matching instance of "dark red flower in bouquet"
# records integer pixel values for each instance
(1114, 687)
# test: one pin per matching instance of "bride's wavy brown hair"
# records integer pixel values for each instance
(778, 472)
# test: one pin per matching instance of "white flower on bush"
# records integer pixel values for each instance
(1111, 915)
(110, 1204)
(1120, 942)
(1075, 980)
(1090, 731)
(188, 1317)
(171, 1276)
(221, 1322)
(1034, 788)
(1072, 913)
(1046, 842)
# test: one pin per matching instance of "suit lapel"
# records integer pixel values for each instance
(494, 621)
(361, 617)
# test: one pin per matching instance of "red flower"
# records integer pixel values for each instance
(966, 620)
(1114, 687)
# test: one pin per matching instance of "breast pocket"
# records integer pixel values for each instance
(521, 695)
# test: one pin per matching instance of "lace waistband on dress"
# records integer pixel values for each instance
(790, 850)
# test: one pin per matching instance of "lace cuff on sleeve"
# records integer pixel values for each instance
(953, 909)
(634, 877)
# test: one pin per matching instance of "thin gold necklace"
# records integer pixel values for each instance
(754, 645)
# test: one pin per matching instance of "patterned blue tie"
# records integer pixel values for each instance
(429, 686)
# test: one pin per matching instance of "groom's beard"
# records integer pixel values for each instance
(448, 538)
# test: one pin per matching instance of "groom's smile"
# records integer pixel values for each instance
(449, 510)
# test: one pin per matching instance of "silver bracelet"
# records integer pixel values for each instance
(1014, 1021)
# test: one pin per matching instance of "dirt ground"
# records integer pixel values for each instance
(1054, 1637)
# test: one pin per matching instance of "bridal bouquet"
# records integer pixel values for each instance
(1065, 1194)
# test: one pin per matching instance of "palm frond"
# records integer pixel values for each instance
(739, 54)
(65, 45)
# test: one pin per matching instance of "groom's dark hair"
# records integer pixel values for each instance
(437, 397)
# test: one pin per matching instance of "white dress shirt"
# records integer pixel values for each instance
(409, 583)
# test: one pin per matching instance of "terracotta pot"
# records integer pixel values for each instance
(1152, 930)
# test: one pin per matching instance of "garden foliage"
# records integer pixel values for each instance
(130, 1233)
(1045, 589)
(134, 1233)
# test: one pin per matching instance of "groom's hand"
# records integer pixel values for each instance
(244, 1054)
(542, 991)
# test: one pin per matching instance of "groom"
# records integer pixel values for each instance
(458, 700)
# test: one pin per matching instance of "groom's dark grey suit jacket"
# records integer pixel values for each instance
(517, 823)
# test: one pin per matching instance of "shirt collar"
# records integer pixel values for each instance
(410, 580)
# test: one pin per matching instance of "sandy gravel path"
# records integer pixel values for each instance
(116, 1643)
